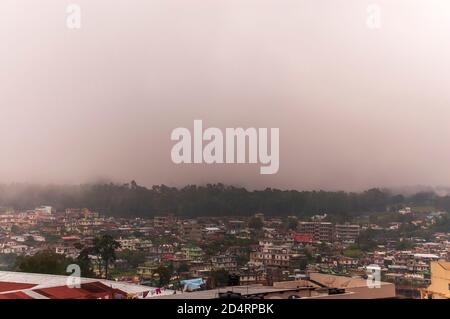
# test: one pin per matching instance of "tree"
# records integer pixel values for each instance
(183, 268)
(30, 241)
(15, 229)
(242, 260)
(291, 223)
(133, 200)
(165, 274)
(105, 249)
(366, 240)
(133, 258)
(220, 277)
(353, 252)
(84, 262)
(45, 262)
(255, 223)
(7, 261)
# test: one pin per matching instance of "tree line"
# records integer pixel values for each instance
(133, 200)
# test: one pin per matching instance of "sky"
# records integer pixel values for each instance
(356, 107)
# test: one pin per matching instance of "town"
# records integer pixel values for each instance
(207, 255)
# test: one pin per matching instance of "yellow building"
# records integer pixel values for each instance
(440, 281)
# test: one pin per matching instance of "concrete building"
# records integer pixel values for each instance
(224, 262)
(271, 256)
(440, 281)
(320, 231)
(193, 253)
(317, 286)
(346, 232)
(191, 230)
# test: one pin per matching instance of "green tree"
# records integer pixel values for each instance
(7, 261)
(183, 268)
(105, 249)
(84, 261)
(45, 262)
(291, 223)
(165, 274)
(255, 223)
(29, 241)
(133, 258)
(220, 277)
(353, 252)
(366, 240)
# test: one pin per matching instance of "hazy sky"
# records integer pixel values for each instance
(356, 107)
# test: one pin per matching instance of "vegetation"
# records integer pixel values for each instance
(291, 223)
(133, 258)
(48, 262)
(183, 268)
(353, 252)
(164, 275)
(105, 249)
(45, 262)
(220, 277)
(255, 223)
(7, 261)
(133, 200)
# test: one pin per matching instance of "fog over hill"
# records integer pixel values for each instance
(133, 200)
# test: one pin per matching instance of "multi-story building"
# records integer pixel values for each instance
(224, 262)
(129, 243)
(346, 232)
(271, 256)
(193, 253)
(320, 231)
(420, 263)
(212, 233)
(163, 221)
(191, 230)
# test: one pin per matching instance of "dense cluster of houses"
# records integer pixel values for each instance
(196, 248)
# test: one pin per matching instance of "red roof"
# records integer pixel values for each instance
(93, 290)
(168, 256)
(9, 286)
(15, 295)
(303, 238)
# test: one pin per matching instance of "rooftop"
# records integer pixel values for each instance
(43, 286)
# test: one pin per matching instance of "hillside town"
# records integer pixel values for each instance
(202, 254)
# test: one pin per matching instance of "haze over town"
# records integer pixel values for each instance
(356, 107)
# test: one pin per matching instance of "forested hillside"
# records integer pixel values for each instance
(210, 200)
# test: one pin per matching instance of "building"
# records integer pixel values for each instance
(17, 285)
(193, 253)
(147, 270)
(420, 263)
(271, 256)
(320, 231)
(43, 211)
(317, 286)
(224, 262)
(212, 233)
(346, 232)
(163, 222)
(440, 281)
(191, 230)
